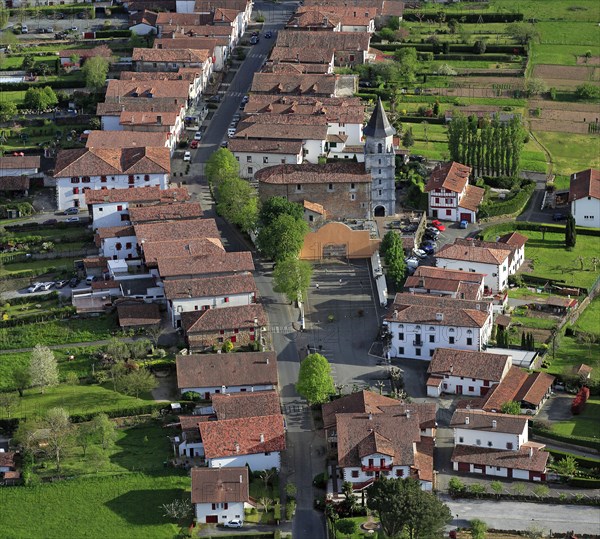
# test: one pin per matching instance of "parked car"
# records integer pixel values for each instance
(231, 132)
(214, 98)
(237, 523)
(34, 288)
(236, 117)
(269, 34)
(224, 143)
(198, 135)
(187, 156)
(430, 237)
(433, 231)
(90, 279)
(71, 211)
(253, 40)
(74, 29)
(61, 284)
(419, 253)
(411, 262)
(46, 286)
(72, 220)
(429, 248)
(24, 29)
(73, 282)
(245, 99)
(50, 222)
(559, 217)
(464, 224)
(194, 144)
(438, 225)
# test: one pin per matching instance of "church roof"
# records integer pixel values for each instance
(379, 126)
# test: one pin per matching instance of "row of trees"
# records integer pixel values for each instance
(492, 150)
(393, 253)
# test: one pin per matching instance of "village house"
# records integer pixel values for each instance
(241, 325)
(19, 165)
(496, 260)
(165, 212)
(255, 154)
(129, 139)
(236, 372)
(185, 295)
(492, 444)
(445, 282)
(117, 242)
(143, 23)
(220, 494)
(111, 207)
(188, 248)
(75, 58)
(307, 56)
(334, 19)
(584, 197)
(343, 189)
(224, 34)
(193, 75)
(9, 473)
(218, 46)
(204, 264)
(13, 187)
(465, 372)
(138, 315)
(222, 11)
(135, 6)
(177, 90)
(175, 231)
(153, 122)
(417, 324)
(450, 196)
(173, 60)
(388, 11)
(180, 19)
(239, 442)
(82, 169)
(110, 112)
(317, 85)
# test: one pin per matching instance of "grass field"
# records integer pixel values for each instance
(76, 330)
(570, 353)
(79, 399)
(570, 152)
(553, 261)
(537, 323)
(583, 426)
(40, 266)
(589, 321)
(121, 507)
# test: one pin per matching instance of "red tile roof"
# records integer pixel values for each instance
(308, 173)
(233, 437)
(451, 176)
(229, 318)
(117, 89)
(115, 232)
(185, 42)
(14, 183)
(114, 108)
(472, 198)
(226, 285)
(300, 84)
(229, 370)
(146, 314)
(180, 249)
(475, 251)
(195, 266)
(181, 230)
(125, 139)
(18, 162)
(166, 119)
(243, 145)
(143, 17)
(137, 195)
(513, 239)
(101, 50)
(165, 212)
(515, 460)
(249, 404)
(220, 485)
(7, 459)
(182, 19)
(449, 274)
(518, 386)
(171, 55)
(484, 421)
(468, 364)
(585, 184)
(366, 402)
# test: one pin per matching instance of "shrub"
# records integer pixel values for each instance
(191, 396)
(456, 486)
(578, 403)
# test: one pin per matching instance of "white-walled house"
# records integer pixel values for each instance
(255, 154)
(219, 494)
(206, 374)
(584, 197)
(418, 324)
(257, 443)
(83, 169)
(516, 242)
(450, 197)
(217, 292)
(117, 243)
(19, 165)
(110, 207)
(492, 444)
(445, 282)
(464, 372)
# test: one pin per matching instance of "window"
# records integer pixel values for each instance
(118, 246)
(248, 159)
(75, 190)
(351, 58)
(225, 300)
(214, 506)
(103, 179)
(380, 148)
(265, 159)
(352, 196)
(330, 187)
(124, 217)
(379, 192)
(417, 351)
(401, 336)
(128, 245)
(451, 340)
(471, 389)
(252, 337)
(352, 186)
(354, 473)
(437, 200)
(478, 442)
(509, 445)
(74, 180)
(431, 338)
(250, 170)
(461, 440)
(448, 212)
(379, 161)
(225, 505)
(100, 209)
(222, 331)
(220, 339)
(379, 181)
(490, 444)
(119, 207)
(399, 473)
(233, 338)
(298, 187)
(469, 341)
(431, 353)
(401, 350)
(448, 201)
(236, 331)
(379, 172)
(195, 307)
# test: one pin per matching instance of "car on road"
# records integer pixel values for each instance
(50, 222)
(236, 118)
(419, 253)
(464, 224)
(411, 262)
(72, 220)
(61, 284)
(237, 523)
(198, 135)
(71, 211)
(34, 288)
(214, 98)
(74, 29)
(194, 144)
(269, 34)
(245, 99)
(187, 156)
(438, 225)
(254, 40)
(224, 143)
(559, 217)
(73, 282)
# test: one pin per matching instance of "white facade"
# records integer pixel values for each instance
(190, 449)
(586, 212)
(18, 172)
(495, 275)
(223, 511)
(120, 248)
(490, 439)
(70, 191)
(184, 305)
(252, 162)
(256, 461)
(108, 214)
(459, 385)
(445, 204)
(312, 150)
(354, 132)
(419, 341)
(110, 122)
(207, 391)
(498, 471)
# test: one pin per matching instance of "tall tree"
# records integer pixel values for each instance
(21, 379)
(237, 202)
(220, 165)
(43, 368)
(104, 430)
(388, 240)
(315, 382)
(136, 382)
(395, 265)
(8, 110)
(58, 437)
(478, 529)
(570, 232)
(283, 238)
(522, 32)
(407, 60)
(273, 207)
(292, 278)
(402, 506)
(84, 436)
(94, 72)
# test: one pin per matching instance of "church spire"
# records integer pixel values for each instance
(379, 126)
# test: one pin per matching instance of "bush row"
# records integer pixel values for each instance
(584, 442)
(112, 33)
(502, 228)
(475, 57)
(59, 313)
(121, 412)
(41, 10)
(54, 84)
(420, 119)
(456, 48)
(509, 207)
(585, 482)
(583, 462)
(472, 18)
(20, 300)
(572, 500)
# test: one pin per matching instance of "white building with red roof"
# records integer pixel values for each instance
(584, 197)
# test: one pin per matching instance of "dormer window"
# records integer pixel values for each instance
(451, 330)
(431, 328)
(417, 328)
(469, 332)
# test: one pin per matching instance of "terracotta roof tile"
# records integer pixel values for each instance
(449, 274)
(229, 318)
(330, 41)
(452, 176)
(206, 265)
(514, 239)
(14, 183)
(147, 89)
(483, 421)
(308, 173)
(233, 369)
(185, 19)
(143, 17)
(125, 139)
(182, 230)
(305, 55)
(115, 232)
(472, 198)
(9, 162)
(202, 6)
(197, 30)
(101, 50)
(249, 404)
(171, 55)
(137, 195)
(359, 402)
(119, 104)
(180, 249)
(423, 467)
(165, 212)
(165, 119)
(314, 207)
(516, 460)
(585, 184)
(220, 485)
(146, 314)
(518, 386)
(8, 459)
(281, 130)
(233, 437)
(473, 251)
(185, 42)
(226, 285)
(301, 84)
(468, 364)
(535, 388)
(287, 147)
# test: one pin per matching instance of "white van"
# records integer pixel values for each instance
(24, 29)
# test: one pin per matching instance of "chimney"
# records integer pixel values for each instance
(467, 420)
(241, 479)
(262, 438)
(237, 447)
(494, 423)
(267, 360)
(439, 317)
(407, 414)
(370, 416)
(531, 452)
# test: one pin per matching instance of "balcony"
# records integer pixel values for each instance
(373, 468)
(418, 342)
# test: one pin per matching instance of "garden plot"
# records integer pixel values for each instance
(562, 117)
(567, 77)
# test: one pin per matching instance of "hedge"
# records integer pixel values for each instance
(475, 57)
(61, 8)
(502, 228)
(584, 482)
(454, 48)
(33, 318)
(420, 119)
(122, 412)
(20, 300)
(571, 500)
(573, 440)
(583, 462)
(509, 207)
(112, 33)
(472, 18)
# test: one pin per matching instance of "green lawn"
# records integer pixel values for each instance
(552, 260)
(75, 330)
(570, 354)
(584, 425)
(121, 507)
(526, 294)
(589, 321)
(81, 365)
(39, 266)
(534, 323)
(78, 399)
(570, 152)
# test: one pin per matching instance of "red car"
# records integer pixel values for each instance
(194, 144)
(438, 225)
